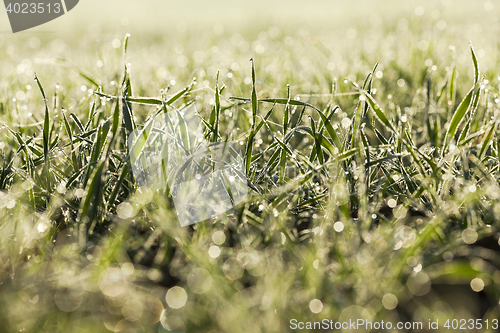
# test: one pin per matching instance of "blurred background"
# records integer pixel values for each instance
(145, 273)
(178, 40)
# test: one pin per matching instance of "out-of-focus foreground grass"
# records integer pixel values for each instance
(374, 193)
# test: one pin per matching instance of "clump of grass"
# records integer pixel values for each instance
(353, 200)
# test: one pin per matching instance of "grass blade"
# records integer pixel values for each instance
(458, 116)
(93, 197)
(487, 141)
(46, 123)
(254, 118)
(476, 66)
(379, 113)
(214, 118)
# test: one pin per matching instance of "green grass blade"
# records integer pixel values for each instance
(346, 154)
(116, 124)
(441, 94)
(77, 122)
(453, 82)
(476, 66)
(46, 122)
(355, 124)
(215, 123)
(93, 196)
(254, 118)
(118, 185)
(151, 100)
(125, 45)
(128, 119)
(181, 93)
(458, 116)
(286, 114)
(183, 131)
(255, 105)
(464, 133)
(379, 113)
(69, 131)
(487, 141)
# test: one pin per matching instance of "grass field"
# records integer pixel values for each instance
(371, 147)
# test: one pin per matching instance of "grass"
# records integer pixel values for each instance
(374, 196)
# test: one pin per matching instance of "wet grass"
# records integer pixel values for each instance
(373, 190)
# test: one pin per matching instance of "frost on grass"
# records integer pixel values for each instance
(205, 180)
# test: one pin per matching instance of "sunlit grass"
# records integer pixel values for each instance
(372, 166)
